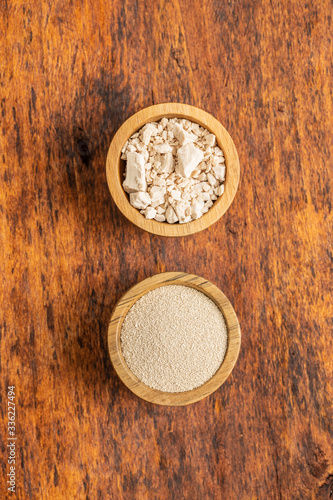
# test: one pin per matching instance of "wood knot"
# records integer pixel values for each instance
(83, 148)
(82, 145)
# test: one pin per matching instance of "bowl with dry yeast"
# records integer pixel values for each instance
(115, 168)
(127, 358)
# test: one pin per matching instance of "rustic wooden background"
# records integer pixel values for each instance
(70, 74)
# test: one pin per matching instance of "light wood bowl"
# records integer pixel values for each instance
(115, 168)
(127, 301)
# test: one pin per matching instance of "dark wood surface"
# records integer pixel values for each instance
(70, 74)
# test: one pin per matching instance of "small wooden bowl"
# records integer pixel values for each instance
(115, 168)
(127, 301)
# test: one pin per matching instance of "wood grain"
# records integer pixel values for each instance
(114, 341)
(70, 75)
(115, 167)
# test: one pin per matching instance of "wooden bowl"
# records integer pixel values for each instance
(115, 168)
(127, 301)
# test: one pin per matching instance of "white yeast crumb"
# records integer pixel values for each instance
(173, 164)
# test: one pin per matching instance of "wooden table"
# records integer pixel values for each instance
(71, 73)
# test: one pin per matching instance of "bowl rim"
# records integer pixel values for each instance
(114, 342)
(155, 113)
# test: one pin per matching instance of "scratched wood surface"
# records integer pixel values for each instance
(70, 74)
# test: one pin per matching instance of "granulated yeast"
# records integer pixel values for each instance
(174, 338)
